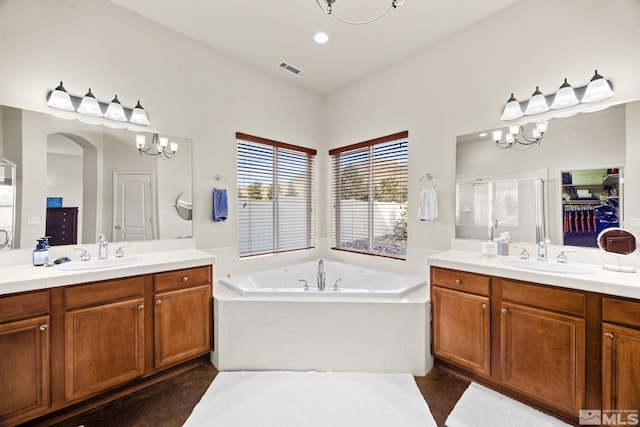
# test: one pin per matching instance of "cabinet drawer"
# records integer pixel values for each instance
(25, 305)
(621, 311)
(103, 292)
(467, 282)
(543, 297)
(182, 278)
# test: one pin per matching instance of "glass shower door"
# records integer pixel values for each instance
(7, 203)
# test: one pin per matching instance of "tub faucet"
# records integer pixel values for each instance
(103, 247)
(321, 275)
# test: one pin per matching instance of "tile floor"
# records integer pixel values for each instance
(170, 402)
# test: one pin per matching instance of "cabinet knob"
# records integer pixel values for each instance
(141, 307)
(504, 311)
(185, 279)
(43, 327)
(608, 335)
(159, 302)
(485, 306)
(458, 281)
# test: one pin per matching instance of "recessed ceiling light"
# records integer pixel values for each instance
(320, 38)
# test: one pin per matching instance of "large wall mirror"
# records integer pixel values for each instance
(94, 177)
(586, 150)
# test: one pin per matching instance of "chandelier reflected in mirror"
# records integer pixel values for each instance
(328, 6)
(517, 137)
(159, 146)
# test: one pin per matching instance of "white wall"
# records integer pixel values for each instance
(460, 84)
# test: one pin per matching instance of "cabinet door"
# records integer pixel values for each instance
(620, 367)
(104, 346)
(461, 329)
(182, 321)
(543, 355)
(24, 369)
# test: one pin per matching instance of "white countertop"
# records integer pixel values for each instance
(21, 278)
(602, 281)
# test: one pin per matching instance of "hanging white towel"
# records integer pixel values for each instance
(428, 208)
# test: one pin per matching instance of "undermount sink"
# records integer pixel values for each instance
(95, 264)
(548, 266)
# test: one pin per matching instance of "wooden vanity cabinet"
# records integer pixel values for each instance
(620, 354)
(543, 343)
(104, 335)
(521, 338)
(25, 357)
(182, 315)
(461, 319)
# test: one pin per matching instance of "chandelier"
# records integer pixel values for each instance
(328, 6)
(517, 136)
(159, 146)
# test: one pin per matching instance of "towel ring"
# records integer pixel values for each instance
(425, 179)
(219, 178)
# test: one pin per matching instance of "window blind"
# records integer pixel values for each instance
(370, 196)
(276, 202)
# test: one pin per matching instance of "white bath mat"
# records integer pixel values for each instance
(311, 399)
(480, 406)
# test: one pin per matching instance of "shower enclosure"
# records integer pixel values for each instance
(7, 202)
(486, 208)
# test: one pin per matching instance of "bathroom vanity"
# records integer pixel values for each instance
(95, 339)
(559, 342)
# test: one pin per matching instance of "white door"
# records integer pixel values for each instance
(133, 206)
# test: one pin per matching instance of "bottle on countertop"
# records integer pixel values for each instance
(41, 252)
(503, 243)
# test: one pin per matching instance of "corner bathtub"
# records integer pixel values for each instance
(341, 281)
(375, 322)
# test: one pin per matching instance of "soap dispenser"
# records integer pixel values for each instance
(41, 252)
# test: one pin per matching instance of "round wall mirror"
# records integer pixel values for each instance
(184, 206)
(618, 242)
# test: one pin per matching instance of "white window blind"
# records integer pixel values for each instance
(370, 196)
(276, 203)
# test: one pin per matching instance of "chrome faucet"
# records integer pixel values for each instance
(321, 275)
(543, 249)
(103, 247)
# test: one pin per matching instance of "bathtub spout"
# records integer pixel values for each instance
(321, 275)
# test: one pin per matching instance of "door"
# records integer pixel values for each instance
(620, 368)
(104, 347)
(461, 329)
(182, 325)
(133, 206)
(24, 369)
(543, 355)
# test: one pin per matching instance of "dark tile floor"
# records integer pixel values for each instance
(170, 402)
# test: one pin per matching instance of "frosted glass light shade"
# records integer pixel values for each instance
(513, 130)
(597, 90)
(164, 141)
(512, 110)
(565, 97)
(542, 126)
(510, 138)
(140, 141)
(173, 146)
(496, 135)
(537, 104)
(60, 99)
(90, 105)
(115, 111)
(139, 116)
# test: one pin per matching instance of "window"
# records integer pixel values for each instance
(370, 196)
(275, 196)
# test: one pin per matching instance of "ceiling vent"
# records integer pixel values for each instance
(290, 68)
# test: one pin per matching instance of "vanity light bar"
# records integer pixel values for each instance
(598, 89)
(90, 106)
